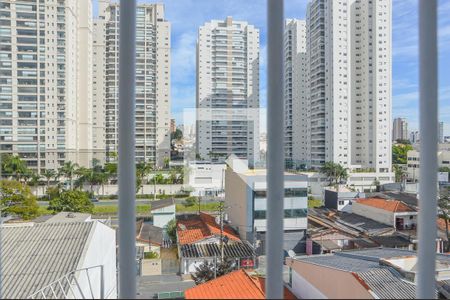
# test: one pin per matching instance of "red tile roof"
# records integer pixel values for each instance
(235, 285)
(197, 228)
(386, 204)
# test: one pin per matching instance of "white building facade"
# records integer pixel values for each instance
(152, 82)
(227, 90)
(349, 89)
(246, 202)
(46, 81)
(295, 91)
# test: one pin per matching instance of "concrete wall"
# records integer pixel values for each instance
(316, 282)
(373, 213)
(204, 177)
(237, 201)
(100, 250)
(151, 267)
(112, 189)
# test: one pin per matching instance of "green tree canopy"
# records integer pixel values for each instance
(13, 166)
(400, 153)
(171, 230)
(72, 200)
(208, 270)
(177, 135)
(17, 199)
(335, 173)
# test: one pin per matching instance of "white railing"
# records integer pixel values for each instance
(71, 286)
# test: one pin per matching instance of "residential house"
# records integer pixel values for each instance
(387, 211)
(379, 273)
(163, 211)
(340, 199)
(199, 240)
(239, 284)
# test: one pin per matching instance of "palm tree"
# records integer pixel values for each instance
(103, 179)
(34, 181)
(14, 166)
(335, 173)
(142, 170)
(85, 175)
(68, 170)
(48, 175)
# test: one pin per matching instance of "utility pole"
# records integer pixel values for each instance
(221, 208)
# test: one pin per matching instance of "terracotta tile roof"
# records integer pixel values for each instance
(386, 204)
(197, 228)
(235, 285)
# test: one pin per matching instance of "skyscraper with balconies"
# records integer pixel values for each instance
(45, 81)
(400, 129)
(295, 93)
(227, 90)
(152, 82)
(349, 88)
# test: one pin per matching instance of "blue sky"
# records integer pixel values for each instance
(187, 15)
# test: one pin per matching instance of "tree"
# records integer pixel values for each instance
(400, 153)
(103, 179)
(48, 175)
(35, 180)
(142, 170)
(399, 173)
(68, 170)
(158, 178)
(13, 166)
(335, 173)
(177, 135)
(443, 213)
(404, 142)
(171, 230)
(377, 184)
(17, 199)
(72, 200)
(190, 201)
(111, 170)
(166, 162)
(210, 270)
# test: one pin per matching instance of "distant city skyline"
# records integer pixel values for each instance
(405, 52)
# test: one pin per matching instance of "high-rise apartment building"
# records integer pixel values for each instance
(227, 90)
(295, 92)
(152, 82)
(349, 86)
(45, 81)
(400, 129)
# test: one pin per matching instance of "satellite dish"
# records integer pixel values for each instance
(291, 253)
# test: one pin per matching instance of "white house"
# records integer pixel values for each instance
(163, 211)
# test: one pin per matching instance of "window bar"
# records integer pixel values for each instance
(428, 116)
(275, 149)
(127, 167)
